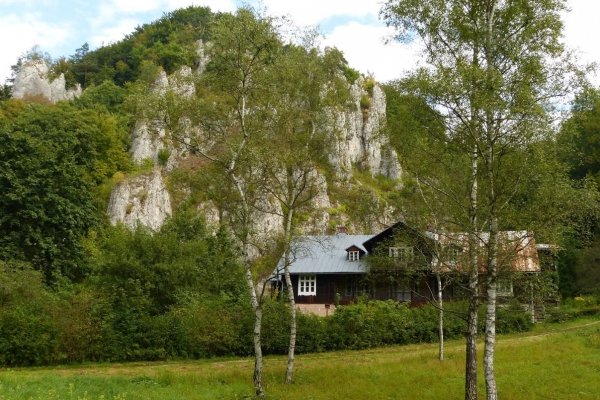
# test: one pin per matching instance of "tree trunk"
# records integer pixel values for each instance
(492, 265)
(290, 290)
(471, 361)
(471, 351)
(490, 338)
(292, 345)
(258, 359)
(441, 316)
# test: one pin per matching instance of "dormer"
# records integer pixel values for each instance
(354, 253)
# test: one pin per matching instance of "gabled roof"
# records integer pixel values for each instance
(389, 233)
(328, 255)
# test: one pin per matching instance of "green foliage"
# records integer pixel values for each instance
(5, 92)
(46, 206)
(28, 333)
(107, 95)
(580, 134)
(369, 84)
(351, 74)
(163, 157)
(166, 43)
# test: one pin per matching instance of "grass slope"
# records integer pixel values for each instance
(554, 361)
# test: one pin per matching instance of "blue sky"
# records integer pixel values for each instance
(59, 27)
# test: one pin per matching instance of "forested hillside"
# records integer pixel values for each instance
(136, 214)
(103, 280)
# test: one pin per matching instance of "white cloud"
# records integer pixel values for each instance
(581, 29)
(135, 6)
(113, 33)
(215, 5)
(24, 2)
(365, 50)
(23, 32)
(312, 12)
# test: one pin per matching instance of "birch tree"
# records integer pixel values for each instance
(495, 71)
(223, 116)
(297, 144)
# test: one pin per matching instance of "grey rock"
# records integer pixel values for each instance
(143, 199)
(32, 79)
(357, 136)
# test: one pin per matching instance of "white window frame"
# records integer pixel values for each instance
(504, 288)
(353, 255)
(307, 285)
(402, 253)
(453, 254)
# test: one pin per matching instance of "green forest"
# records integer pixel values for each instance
(76, 288)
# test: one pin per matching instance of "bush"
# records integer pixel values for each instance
(28, 333)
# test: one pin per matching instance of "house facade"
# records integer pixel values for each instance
(398, 263)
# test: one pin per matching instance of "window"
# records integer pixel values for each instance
(353, 255)
(307, 285)
(355, 286)
(453, 253)
(504, 288)
(350, 286)
(400, 293)
(402, 253)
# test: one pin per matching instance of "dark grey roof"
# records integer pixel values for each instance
(327, 255)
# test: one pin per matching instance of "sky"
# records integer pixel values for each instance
(59, 27)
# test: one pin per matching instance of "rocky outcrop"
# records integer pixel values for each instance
(148, 139)
(318, 219)
(143, 199)
(32, 80)
(357, 136)
(202, 50)
(354, 131)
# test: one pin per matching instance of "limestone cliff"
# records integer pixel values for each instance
(357, 137)
(143, 199)
(32, 79)
(357, 141)
(148, 139)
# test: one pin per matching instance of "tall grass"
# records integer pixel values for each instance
(554, 361)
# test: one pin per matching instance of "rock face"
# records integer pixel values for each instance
(143, 199)
(148, 138)
(32, 79)
(356, 134)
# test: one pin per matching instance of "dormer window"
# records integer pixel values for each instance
(404, 253)
(354, 253)
(453, 253)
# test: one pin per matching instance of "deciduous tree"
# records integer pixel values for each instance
(496, 70)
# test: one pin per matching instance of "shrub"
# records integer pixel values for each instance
(28, 333)
(163, 157)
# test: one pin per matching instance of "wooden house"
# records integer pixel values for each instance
(399, 263)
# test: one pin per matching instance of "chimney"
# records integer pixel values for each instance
(342, 230)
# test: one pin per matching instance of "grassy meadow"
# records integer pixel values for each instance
(554, 361)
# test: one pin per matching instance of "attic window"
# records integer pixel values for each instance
(353, 255)
(307, 285)
(453, 253)
(402, 253)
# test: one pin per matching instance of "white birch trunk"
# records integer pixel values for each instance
(471, 350)
(441, 316)
(258, 359)
(492, 267)
(290, 290)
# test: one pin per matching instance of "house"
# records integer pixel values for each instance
(398, 263)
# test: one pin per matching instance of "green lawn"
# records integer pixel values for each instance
(554, 361)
